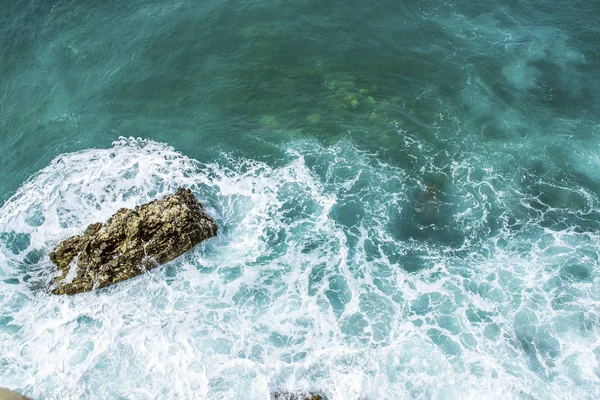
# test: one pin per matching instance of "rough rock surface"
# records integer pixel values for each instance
(130, 242)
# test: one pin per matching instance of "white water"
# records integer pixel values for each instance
(304, 289)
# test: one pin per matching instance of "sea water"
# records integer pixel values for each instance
(407, 192)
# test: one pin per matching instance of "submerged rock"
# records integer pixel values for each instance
(350, 101)
(314, 118)
(269, 120)
(130, 242)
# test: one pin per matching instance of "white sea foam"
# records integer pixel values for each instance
(305, 288)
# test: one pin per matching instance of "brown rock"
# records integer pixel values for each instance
(130, 242)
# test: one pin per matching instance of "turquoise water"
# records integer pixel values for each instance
(408, 195)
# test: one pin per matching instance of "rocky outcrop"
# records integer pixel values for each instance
(130, 242)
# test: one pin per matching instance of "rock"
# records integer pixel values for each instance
(314, 118)
(297, 396)
(269, 120)
(6, 394)
(350, 101)
(131, 242)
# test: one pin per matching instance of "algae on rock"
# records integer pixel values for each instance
(130, 242)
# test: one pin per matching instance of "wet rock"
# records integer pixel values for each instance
(131, 242)
(297, 396)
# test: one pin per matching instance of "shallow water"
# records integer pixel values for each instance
(407, 195)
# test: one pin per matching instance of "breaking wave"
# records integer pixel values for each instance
(333, 272)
